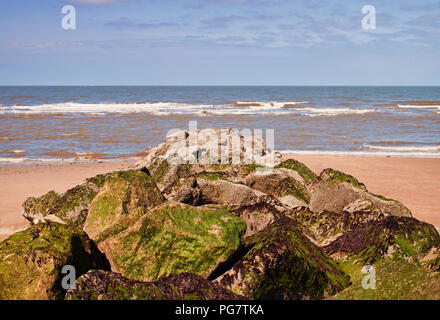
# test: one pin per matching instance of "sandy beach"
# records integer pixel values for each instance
(413, 181)
(20, 182)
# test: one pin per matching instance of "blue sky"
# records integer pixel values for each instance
(219, 42)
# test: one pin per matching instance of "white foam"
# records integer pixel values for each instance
(408, 106)
(171, 108)
(361, 153)
(273, 104)
(335, 111)
(404, 148)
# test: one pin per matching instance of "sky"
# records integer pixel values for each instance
(220, 42)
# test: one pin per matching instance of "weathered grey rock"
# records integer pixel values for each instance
(209, 146)
(228, 193)
(334, 190)
(284, 184)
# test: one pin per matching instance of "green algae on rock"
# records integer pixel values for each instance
(386, 237)
(71, 207)
(124, 197)
(101, 285)
(292, 164)
(31, 260)
(279, 262)
(174, 238)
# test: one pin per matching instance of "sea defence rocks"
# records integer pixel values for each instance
(101, 285)
(174, 238)
(279, 262)
(211, 146)
(212, 230)
(31, 261)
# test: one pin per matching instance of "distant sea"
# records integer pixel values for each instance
(66, 123)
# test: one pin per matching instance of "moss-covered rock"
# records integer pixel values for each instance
(386, 237)
(292, 164)
(341, 177)
(124, 197)
(335, 191)
(101, 285)
(31, 260)
(174, 238)
(281, 185)
(367, 236)
(41, 206)
(71, 207)
(280, 262)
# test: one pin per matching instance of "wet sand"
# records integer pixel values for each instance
(413, 181)
(19, 182)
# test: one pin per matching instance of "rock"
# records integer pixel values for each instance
(31, 260)
(71, 207)
(292, 164)
(177, 183)
(174, 238)
(101, 285)
(360, 205)
(334, 190)
(228, 193)
(387, 237)
(123, 198)
(257, 216)
(37, 208)
(209, 146)
(279, 262)
(284, 184)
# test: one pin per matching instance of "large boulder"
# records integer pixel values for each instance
(71, 207)
(334, 191)
(280, 262)
(174, 238)
(257, 216)
(228, 193)
(31, 261)
(366, 236)
(284, 184)
(102, 285)
(124, 197)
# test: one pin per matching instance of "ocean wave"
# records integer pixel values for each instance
(172, 108)
(361, 153)
(410, 106)
(404, 148)
(272, 104)
(335, 111)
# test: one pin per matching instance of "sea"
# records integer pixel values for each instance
(81, 123)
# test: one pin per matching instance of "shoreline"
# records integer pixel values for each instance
(413, 181)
